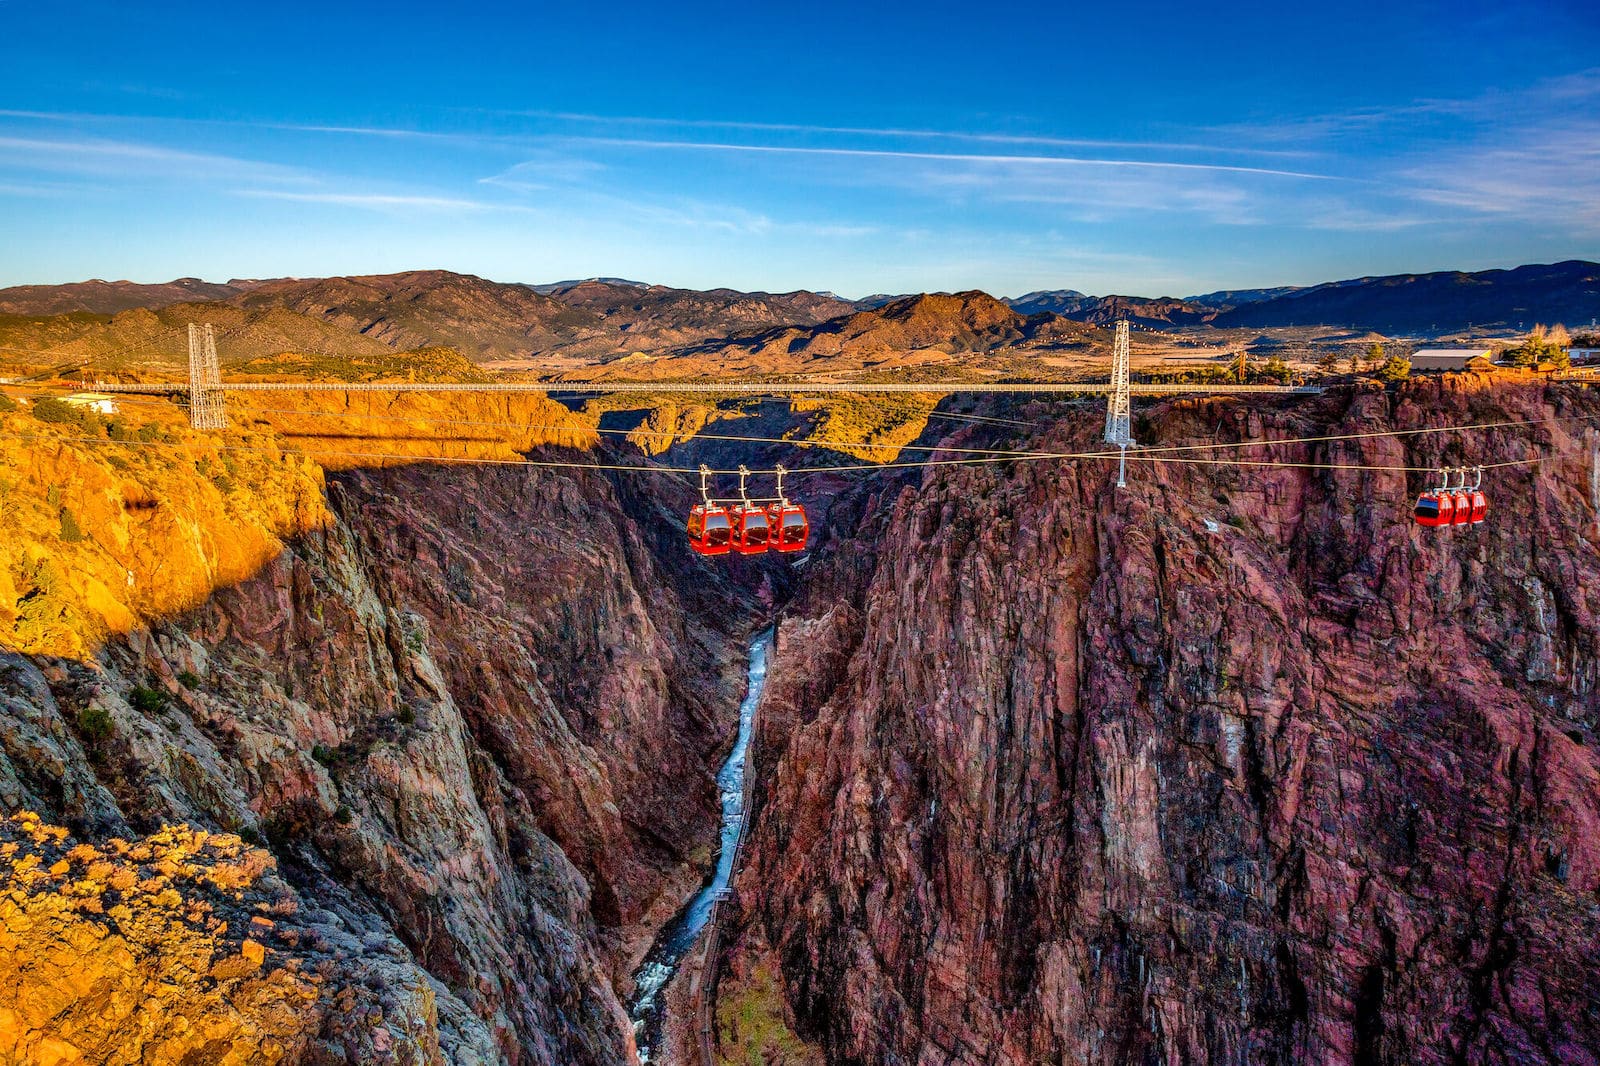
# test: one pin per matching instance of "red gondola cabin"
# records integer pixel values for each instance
(1480, 507)
(1435, 509)
(790, 528)
(751, 530)
(710, 530)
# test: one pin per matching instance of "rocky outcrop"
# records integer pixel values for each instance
(1234, 765)
(469, 711)
(184, 946)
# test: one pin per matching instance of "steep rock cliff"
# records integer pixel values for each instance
(466, 709)
(1233, 765)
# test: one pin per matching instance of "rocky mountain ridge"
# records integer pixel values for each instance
(108, 297)
(1444, 301)
(937, 329)
(572, 328)
(584, 323)
(1441, 301)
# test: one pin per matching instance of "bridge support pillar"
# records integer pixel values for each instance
(1119, 404)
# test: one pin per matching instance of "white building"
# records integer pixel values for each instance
(1446, 358)
(97, 402)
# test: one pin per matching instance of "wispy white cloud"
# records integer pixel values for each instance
(377, 201)
(395, 133)
(1528, 154)
(124, 159)
(567, 187)
(37, 189)
(505, 140)
(1548, 174)
(950, 157)
(546, 170)
(898, 132)
(1576, 93)
(46, 116)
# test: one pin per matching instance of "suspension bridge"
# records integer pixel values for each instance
(206, 391)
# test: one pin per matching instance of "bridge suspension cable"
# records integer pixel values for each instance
(578, 428)
(1152, 454)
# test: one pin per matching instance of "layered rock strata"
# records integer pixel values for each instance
(1234, 765)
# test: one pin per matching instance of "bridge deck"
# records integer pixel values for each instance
(755, 387)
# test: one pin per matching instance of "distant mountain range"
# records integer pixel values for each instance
(1441, 302)
(937, 329)
(1158, 313)
(1052, 301)
(572, 325)
(583, 322)
(1427, 303)
(109, 297)
(1226, 298)
(553, 287)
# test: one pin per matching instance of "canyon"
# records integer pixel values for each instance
(399, 760)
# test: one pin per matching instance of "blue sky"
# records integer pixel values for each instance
(1135, 148)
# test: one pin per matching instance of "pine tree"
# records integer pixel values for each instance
(1395, 368)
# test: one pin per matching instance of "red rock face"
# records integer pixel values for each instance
(1055, 773)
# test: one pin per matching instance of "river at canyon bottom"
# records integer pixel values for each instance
(647, 1008)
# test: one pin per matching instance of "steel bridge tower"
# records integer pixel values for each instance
(1119, 403)
(206, 409)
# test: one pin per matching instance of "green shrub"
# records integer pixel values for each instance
(94, 724)
(71, 531)
(7, 403)
(1277, 370)
(149, 432)
(57, 412)
(148, 700)
(1395, 368)
(407, 716)
(323, 754)
(1541, 346)
(343, 815)
(189, 679)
